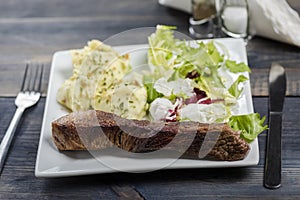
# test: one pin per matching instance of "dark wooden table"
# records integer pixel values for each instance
(32, 30)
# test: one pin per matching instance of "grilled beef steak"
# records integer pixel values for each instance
(96, 130)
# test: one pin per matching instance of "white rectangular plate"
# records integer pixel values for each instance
(52, 163)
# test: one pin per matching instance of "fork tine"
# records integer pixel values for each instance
(24, 79)
(32, 78)
(28, 79)
(38, 78)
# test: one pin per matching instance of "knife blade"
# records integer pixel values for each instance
(277, 90)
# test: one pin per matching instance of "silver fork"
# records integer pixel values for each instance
(28, 96)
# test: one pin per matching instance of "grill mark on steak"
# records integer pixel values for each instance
(96, 130)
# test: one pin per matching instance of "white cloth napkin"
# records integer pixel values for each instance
(273, 19)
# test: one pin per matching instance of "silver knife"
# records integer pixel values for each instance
(277, 88)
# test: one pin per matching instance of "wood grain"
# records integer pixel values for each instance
(32, 30)
(259, 80)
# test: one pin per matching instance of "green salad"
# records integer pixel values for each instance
(191, 81)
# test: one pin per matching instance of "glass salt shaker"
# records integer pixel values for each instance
(234, 17)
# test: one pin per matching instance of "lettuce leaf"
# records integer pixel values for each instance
(162, 47)
(234, 89)
(235, 67)
(152, 94)
(250, 125)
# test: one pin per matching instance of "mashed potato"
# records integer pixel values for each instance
(98, 82)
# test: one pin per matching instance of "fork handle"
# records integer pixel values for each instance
(4, 146)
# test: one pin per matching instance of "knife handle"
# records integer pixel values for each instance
(272, 179)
